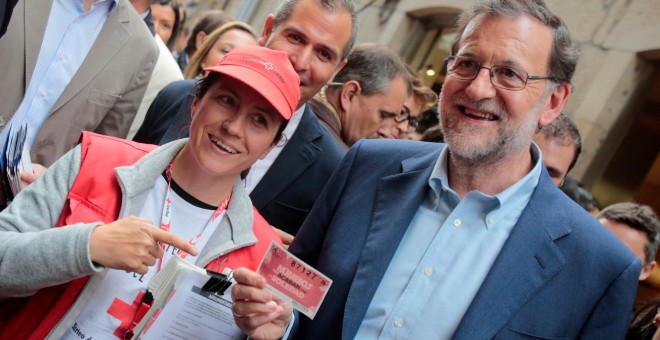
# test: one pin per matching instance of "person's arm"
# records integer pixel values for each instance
(34, 254)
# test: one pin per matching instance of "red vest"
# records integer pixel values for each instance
(96, 196)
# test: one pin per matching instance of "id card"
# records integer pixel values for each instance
(294, 281)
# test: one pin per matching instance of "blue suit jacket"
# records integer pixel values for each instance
(287, 192)
(559, 275)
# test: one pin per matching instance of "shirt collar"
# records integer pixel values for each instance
(520, 190)
(111, 4)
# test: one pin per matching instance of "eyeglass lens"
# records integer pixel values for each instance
(501, 76)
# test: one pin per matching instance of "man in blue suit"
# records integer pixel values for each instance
(468, 240)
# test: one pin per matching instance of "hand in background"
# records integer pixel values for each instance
(285, 237)
(29, 178)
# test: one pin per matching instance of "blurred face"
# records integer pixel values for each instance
(232, 127)
(227, 42)
(557, 157)
(484, 124)
(635, 240)
(412, 108)
(164, 20)
(314, 39)
(373, 116)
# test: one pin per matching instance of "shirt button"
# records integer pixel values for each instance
(78, 20)
(491, 220)
(457, 222)
(428, 271)
(398, 323)
(61, 56)
(43, 93)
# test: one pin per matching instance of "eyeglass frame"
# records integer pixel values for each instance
(413, 122)
(452, 58)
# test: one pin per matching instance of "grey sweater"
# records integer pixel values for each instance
(34, 254)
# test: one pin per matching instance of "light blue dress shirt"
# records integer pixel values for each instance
(444, 257)
(70, 34)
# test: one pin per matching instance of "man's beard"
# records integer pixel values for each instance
(478, 145)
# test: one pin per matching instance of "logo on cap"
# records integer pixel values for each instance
(267, 65)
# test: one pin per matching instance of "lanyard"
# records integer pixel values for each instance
(165, 223)
(166, 217)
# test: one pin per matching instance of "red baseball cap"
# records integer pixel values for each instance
(267, 71)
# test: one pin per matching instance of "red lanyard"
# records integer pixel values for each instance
(166, 217)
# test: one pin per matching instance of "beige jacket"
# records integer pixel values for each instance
(103, 95)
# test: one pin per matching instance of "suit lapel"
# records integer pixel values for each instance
(36, 15)
(397, 198)
(528, 260)
(112, 37)
(299, 153)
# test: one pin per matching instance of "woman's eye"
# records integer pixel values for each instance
(260, 120)
(229, 101)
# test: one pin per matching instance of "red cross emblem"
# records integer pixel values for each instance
(125, 313)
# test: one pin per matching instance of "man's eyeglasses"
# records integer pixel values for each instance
(405, 116)
(504, 77)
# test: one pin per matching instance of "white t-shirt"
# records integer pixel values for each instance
(111, 307)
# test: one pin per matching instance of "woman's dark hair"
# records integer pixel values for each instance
(208, 23)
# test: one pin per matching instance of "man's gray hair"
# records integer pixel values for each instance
(374, 66)
(564, 55)
(285, 11)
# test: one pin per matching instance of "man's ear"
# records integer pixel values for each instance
(267, 31)
(339, 67)
(555, 103)
(347, 94)
(646, 271)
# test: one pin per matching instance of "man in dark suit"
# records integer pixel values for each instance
(468, 240)
(317, 35)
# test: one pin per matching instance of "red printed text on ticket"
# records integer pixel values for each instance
(294, 281)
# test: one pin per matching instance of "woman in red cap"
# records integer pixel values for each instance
(83, 241)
